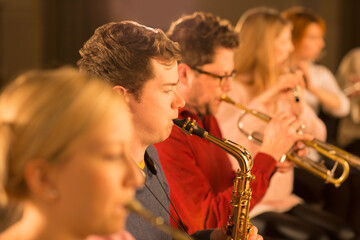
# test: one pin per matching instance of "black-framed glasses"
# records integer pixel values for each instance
(220, 77)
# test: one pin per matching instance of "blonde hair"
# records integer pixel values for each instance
(42, 113)
(258, 28)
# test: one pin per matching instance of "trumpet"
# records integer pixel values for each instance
(330, 151)
(136, 207)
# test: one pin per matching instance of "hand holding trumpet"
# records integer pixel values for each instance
(339, 156)
(281, 134)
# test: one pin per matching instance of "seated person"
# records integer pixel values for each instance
(199, 173)
(65, 156)
(141, 63)
(267, 86)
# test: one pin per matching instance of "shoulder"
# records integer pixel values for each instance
(320, 69)
(322, 75)
(154, 163)
(354, 53)
(153, 159)
(151, 150)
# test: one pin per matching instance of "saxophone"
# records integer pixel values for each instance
(238, 225)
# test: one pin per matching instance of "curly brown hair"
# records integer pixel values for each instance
(199, 34)
(121, 53)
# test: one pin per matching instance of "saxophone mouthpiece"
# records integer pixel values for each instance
(179, 122)
(190, 127)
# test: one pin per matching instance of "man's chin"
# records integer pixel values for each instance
(165, 135)
(170, 128)
(213, 110)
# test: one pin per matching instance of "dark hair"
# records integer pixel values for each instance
(199, 34)
(121, 52)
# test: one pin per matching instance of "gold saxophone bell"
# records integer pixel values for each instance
(136, 207)
(330, 151)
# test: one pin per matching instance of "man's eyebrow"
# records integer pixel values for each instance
(171, 84)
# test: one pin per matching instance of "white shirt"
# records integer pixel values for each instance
(322, 77)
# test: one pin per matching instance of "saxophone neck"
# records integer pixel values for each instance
(238, 225)
(238, 152)
(242, 156)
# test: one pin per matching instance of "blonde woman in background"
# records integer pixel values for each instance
(263, 82)
(64, 156)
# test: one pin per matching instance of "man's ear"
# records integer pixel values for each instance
(123, 92)
(183, 71)
(39, 177)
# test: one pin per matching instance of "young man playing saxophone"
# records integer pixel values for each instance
(141, 64)
(199, 174)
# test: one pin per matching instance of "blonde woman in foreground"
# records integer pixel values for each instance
(64, 156)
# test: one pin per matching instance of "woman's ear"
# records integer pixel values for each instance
(123, 92)
(39, 177)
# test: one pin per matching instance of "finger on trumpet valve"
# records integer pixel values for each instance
(299, 130)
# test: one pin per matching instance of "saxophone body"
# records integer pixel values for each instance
(238, 225)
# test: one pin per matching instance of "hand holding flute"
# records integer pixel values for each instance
(290, 83)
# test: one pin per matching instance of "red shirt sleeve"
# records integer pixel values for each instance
(263, 168)
(198, 202)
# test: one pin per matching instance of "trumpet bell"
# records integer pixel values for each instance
(317, 168)
(339, 156)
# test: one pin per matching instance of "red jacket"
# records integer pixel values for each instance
(200, 175)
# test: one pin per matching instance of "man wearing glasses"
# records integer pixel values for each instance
(199, 173)
(221, 78)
